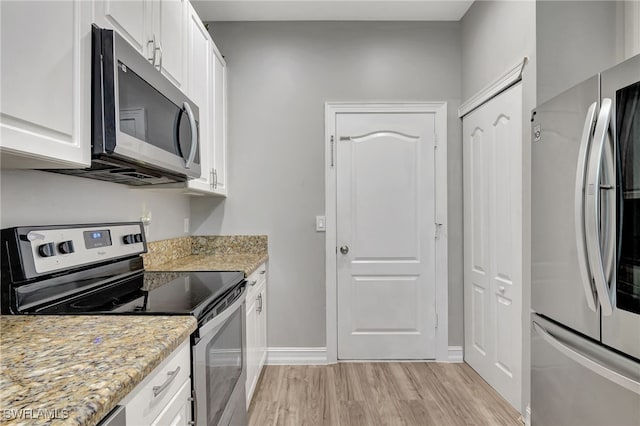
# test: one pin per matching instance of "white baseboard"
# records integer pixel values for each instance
(455, 354)
(297, 356)
(318, 356)
(527, 416)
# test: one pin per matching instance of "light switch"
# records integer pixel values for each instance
(321, 224)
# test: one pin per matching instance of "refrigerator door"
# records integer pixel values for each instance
(561, 281)
(621, 329)
(575, 381)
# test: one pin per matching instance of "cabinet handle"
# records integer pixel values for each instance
(157, 390)
(194, 398)
(252, 283)
(259, 307)
(211, 178)
(264, 271)
(160, 50)
(152, 42)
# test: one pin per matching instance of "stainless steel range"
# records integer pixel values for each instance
(97, 269)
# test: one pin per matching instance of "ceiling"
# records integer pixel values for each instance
(331, 10)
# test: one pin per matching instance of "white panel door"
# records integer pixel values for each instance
(385, 219)
(492, 147)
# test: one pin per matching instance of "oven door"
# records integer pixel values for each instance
(145, 118)
(621, 329)
(219, 368)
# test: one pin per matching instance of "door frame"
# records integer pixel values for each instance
(439, 109)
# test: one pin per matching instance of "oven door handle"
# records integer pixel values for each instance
(219, 320)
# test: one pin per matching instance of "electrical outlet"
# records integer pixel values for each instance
(321, 224)
(186, 225)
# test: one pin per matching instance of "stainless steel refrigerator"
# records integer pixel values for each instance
(585, 266)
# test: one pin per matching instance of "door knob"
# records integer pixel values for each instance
(344, 249)
(501, 289)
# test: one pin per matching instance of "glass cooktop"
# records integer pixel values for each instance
(171, 293)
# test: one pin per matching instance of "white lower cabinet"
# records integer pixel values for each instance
(164, 396)
(256, 328)
(178, 411)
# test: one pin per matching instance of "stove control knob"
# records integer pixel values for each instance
(46, 250)
(138, 238)
(129, 239)
(66, 247)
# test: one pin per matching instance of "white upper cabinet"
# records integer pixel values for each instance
(45, 114)
(207, 88)
(130, 18)
(155, 28)
(170, 29)
(219, 114)
(200, 90)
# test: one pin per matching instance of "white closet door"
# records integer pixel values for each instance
(492, 145)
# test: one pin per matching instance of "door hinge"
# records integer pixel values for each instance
(435, 140)
(438, 230)
(332, 141)
(436, 320)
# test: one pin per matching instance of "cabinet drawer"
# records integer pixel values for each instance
(153, 394)
(255, 280)
(178, 410)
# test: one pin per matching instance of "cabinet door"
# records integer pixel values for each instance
(131, 19)
(262, 329)
(170, 27)
(252, 358)
(178, 410)
(199, 90)
(220, 123)
(45, 56)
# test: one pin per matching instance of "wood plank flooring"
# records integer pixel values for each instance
(377, 394)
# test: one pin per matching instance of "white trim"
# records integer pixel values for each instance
(455, 354)
(441, 259)
(507, 79)
(296, 356)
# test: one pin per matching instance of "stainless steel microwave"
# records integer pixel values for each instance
(144, 129)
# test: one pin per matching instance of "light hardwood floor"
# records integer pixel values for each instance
(359, 394)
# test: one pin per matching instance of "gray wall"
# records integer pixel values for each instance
(41, 198)
(495, 36)
(575, 40)
(280, 76)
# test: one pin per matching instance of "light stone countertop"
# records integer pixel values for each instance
(208, 253)
(77, 368)
(246, 263)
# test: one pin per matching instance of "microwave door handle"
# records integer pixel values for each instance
(592, 208)
(194, 135)
(579, 207)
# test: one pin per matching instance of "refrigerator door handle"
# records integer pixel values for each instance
(579, 207)
(592, 208)
(598, 368)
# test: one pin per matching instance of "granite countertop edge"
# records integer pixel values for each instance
(78, 384)
(245, 262)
